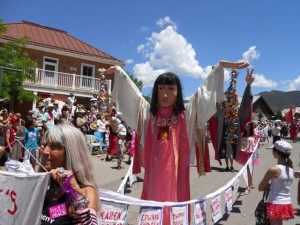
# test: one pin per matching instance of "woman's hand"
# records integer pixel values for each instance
(233, 65)
(59, 174)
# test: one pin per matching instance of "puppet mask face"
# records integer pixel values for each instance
(167, 95)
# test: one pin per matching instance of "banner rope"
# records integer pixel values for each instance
(108, 195)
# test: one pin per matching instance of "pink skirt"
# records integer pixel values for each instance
(280, 211)
(243, 157)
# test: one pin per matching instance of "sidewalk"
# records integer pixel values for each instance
(109, 177)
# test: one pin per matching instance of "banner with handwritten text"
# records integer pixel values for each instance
(179, 215)
(215, 207)
(112, 213)
(22, 197)
(150, 216)
(200, 212)
(228, 199)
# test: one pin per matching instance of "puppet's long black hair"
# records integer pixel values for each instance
(167, 78)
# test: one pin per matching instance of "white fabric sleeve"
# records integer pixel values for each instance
(129, 100)
(202, 104)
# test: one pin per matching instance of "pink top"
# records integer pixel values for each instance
(166, 162)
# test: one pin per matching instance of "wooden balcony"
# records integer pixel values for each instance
(64, 82)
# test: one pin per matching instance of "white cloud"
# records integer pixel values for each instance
(261, 81)
(129, 61)
(162, 23)
(146, 73)
(168, 50)
(251, 54)
(294, 84)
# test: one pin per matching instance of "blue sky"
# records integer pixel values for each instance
(184, 36)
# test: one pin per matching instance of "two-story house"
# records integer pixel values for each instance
(65, 64)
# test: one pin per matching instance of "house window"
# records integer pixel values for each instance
(50, 71)
(88, 73)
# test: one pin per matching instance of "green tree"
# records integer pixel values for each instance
(16, 67)
(137, 82)
(139, 85)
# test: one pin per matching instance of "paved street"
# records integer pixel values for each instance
(108, 177)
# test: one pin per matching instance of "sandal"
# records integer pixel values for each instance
(246, 192)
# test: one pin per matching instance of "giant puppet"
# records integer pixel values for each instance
(165, 130)
(227, 124)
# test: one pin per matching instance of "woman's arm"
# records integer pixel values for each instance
(7, 136)
(272, 172)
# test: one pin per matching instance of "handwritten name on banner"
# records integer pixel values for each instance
(17, 190)
(228, 199)
(200, 212)
(179, 215)
(150, 216)
(215, 208)
(112, 213)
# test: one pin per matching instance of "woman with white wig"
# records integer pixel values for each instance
(72, 197)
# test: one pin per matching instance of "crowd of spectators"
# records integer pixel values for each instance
(17, 131)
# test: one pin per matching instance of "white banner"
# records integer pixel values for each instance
(236, 186)
(245, 176)
(228, 199)
(200, 212)
(215, 207)
(112, 213)
(22, 197)
(150, 216)
(179, 215)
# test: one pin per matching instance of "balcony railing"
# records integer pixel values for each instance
(66, 81)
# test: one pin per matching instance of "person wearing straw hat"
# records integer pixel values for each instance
(39, 113)
(64, 117)
(56, 111)
(48, 118)
(79, 120)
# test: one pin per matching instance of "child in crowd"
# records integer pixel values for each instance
(249, 142)
(120, 151)
(279, 206)
(31, 141)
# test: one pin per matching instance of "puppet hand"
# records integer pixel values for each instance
(250, 78)
(233, 65)
(110, 70)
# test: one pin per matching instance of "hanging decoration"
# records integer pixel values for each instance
(103, 95)
(231, 107)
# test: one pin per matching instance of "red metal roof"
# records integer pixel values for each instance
(54, 39)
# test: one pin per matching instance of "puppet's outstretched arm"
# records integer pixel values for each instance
(233, 65)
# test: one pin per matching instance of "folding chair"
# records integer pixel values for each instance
(94, 142)
(99, 140)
